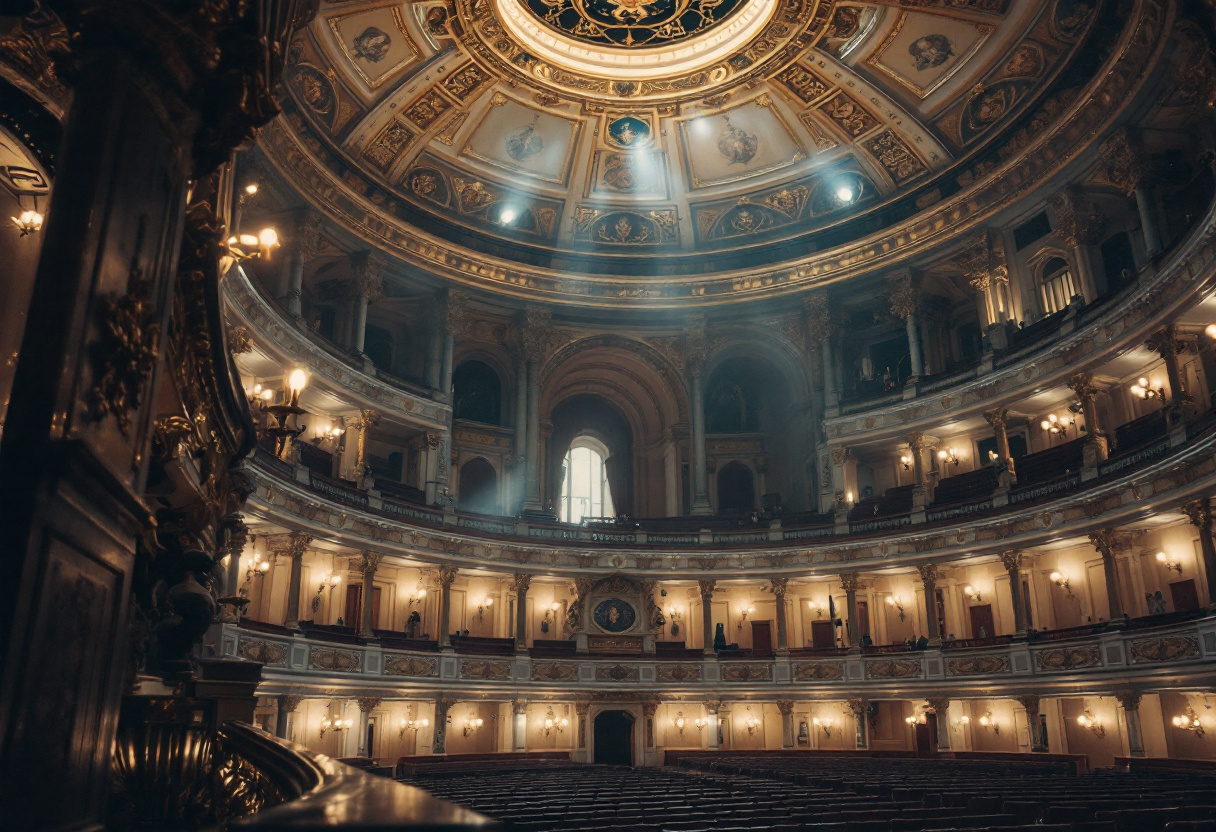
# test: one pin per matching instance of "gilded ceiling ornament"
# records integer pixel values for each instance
(736, 144)
(632, 23)
(628, 132)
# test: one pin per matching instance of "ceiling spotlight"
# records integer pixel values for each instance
(846, 192)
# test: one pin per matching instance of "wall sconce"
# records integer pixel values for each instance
(249, 246)
(905, 461)
(1056, 426)
(987, 723)
(911, 720)
(752, 723)
(330, 581)
(29, 222)
(1189, 721)
(332, 433)
(826, 724)
(1088, 720)
(895, 601)
(1143, 389)
(551, 610)
(258, 568)
(1061, 580)
(676, 614)
(972, 593)
(297, 380)
(948, 457)
(411, 724)
(1170, 565)
(744, 612)
(488, 601)
(961, 723)
(848, 497)
(992, 457)
(328, 724)
(416, 596)
(552, 723)
(471, 724)
(700, 722)
(817, 607)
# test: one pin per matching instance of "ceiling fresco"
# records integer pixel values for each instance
(819, 120)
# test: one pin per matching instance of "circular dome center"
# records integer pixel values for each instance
(633, 38)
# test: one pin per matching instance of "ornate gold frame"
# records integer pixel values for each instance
(350, 59)
(873, 61)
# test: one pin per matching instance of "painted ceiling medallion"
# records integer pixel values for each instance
(633, 23)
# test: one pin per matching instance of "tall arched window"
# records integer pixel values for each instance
(1057, 286)
(585, 491)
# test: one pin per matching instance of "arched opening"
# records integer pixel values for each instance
(586, 491)
(378, 346)
(476, 393)
(592, 422)
(614, 738)
(736, 489)
(478, 486)
(1056, 285)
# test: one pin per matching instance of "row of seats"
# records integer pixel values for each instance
(847, 793)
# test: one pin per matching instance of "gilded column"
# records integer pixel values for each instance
(941, 708)
(447, 574)
(1012, 561)
(859, 708)
(1166, 343)
(819, 331)
(917, 443)
(1030, 701)
(581, 709)
(928, 577)
(296, 544)
(904, 296)
(707, 615)
(997, 418)
(305, 241)
(1127, 167)
(786, 707)
(780, 585)
(440, 735)
(367, 704)
(1095, 449)
(236, 536)
(1080, 224)
(649, 708)
(367, 273)
(520, 583)
(455, 323)
(1199, 512)
(1106, 541)
(851, 583)
(1129, 700)
(695, 354)
(366, 563)
(363, 423)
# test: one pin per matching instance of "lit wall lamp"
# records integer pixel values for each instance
(905, 461)
(297, 380)
(911, 720)
(700, 722)
(416, 596)
(471, 724)
(1088, 720)
(488, 601)
(1056, 426)
(744, 612)
(817, 607)
(1062, 581)
(961, 723)
(679, 722)
(260, 397)
(992, 457)
(826, 724)
(948, 457)
(28, 222)
(332, 433)
(1189, 721)
(330, 581)
(897, 602)
(258, 568)
(329, 724)
(411, 724)
(1210, 331)
(1144, 389)
(551, 610)
(988, 723)
(249, 246)
(1170, 564)
(972, 593)
(676, 614)
(552, 723)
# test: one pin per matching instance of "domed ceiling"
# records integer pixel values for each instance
(615, 149)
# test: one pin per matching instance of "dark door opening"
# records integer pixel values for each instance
(369, 749)
(614, 738)
(1185, 595)
(982, 625)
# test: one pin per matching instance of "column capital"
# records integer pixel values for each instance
(841, 455)
(1127, 164)
(917, 441)
(365, 420)
(904, 293)
(1012, 559)
(1029, 701)
(983, 261)
(818, 318)
(519, 706)
(1076, 220)
(857, 706)
(582, 708)
(304, 234)
(1106, 541)
(520, 582)
(707, 586)
(997, 417)
(447, 574)
(288, 702)
(1129, 699)
(456, 317)
(695, 343)
(366, 562)
(779, 585)
(850, 581)
(367, 274)
(939, 704)
(929, 573)
(536, 334)
(292, 545)
(785, 706)
(367, 704)
(1166, 343)
(1199, 512)
(712, 706)
(1083, 385)
(649, 708)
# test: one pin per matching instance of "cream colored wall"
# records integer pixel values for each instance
(480, 741)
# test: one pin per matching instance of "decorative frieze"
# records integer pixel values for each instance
(267, 652)
(410, 666)
(819, 672)
(977, 665)
(336, 661)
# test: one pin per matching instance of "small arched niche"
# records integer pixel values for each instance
(478, 486)
(477, 393)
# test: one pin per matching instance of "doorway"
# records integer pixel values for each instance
(863, 619)
(369, 750)
(614, 738)
(354, 606)
(982, 625)
(1184, 595)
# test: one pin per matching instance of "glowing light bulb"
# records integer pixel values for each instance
(845, 193)
(1210, 331)
(1161, 557)
(268, 238)
(1055, 576)
(251, 188)
(297, 381)
(507, 216)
